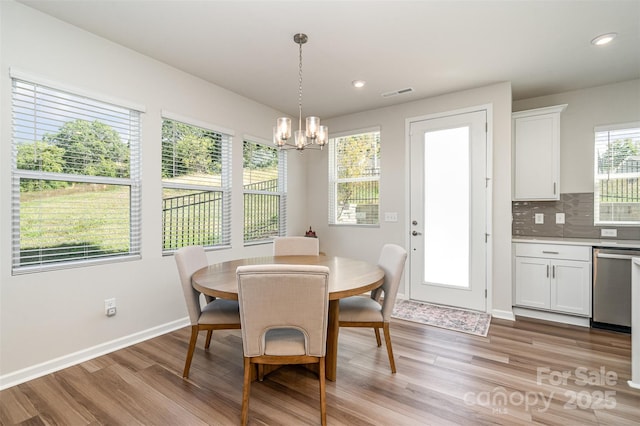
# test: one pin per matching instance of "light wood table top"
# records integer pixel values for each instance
(347, 277)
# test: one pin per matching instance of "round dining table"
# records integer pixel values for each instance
(347, 277)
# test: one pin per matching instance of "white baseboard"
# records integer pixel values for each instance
(506, 315)
(553, 316)
(39, 370)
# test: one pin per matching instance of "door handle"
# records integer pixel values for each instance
(416, 233)
(614, 256)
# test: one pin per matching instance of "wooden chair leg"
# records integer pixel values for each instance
(207, 342)
(192, 346)
(246, 388)
(377, 331)
(387, 339)
(323, 393)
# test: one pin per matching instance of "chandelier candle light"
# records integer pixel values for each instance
(315, 134)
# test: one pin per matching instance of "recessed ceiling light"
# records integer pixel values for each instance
(603, 39)
(358, 83)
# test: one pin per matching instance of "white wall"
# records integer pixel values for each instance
(48, 320)
(587, 108)
(367, 242)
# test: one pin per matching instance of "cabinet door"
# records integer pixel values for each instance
(570, 287)
(536, 154)
(536, 148)
(532, 282)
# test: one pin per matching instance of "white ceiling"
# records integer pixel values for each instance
(435, 47)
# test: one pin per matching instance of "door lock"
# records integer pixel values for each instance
(415, 233)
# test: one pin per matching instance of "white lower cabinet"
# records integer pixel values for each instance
(553, 277)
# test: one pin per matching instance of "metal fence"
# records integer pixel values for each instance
(196, 218)
(265, 185)
(261, 216)
(261, 211)
(358, 202)
(192, 219)
(619, 190)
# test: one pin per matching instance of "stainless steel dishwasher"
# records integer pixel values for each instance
(612, 288)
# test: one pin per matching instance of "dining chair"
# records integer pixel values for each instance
(284, 316)
(217, 314)
(291, 246)
(362, 311)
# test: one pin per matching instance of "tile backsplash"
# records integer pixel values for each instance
(578, 211)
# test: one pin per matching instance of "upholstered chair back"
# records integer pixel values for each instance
(292, 246)
(189, 260)
(277, 298)
(392, 260)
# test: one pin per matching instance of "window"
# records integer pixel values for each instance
(196, 189)
(76, 179)
(354, 176)
(617, 169)
(264, 179)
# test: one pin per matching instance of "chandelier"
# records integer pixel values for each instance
(315, 136)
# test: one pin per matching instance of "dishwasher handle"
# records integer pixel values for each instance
(614, 256)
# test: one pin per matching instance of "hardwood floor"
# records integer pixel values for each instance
(523, 372)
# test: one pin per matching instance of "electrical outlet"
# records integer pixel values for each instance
(608, 233)
(539, 218)
(110, 307)
(560, 218)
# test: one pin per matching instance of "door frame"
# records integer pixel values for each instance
(489, 194)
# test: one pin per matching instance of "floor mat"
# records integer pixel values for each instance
(456, 319)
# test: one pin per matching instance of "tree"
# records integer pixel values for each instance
(43, 157)
(91, 148)
(188, 150)
(358, 157)
(258, 156)
(617, 152)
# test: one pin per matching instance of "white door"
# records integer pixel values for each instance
(449, 210)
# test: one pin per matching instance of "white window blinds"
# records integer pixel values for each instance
(196, 194)
(617, 170)
(76, 179)
(264, 185)
(354, 177)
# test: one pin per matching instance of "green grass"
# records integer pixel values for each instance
(88, 220)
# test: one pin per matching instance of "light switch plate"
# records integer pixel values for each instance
(560, 218)
(539, 218)
(390, 216)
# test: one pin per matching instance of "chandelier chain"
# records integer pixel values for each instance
(300, 87)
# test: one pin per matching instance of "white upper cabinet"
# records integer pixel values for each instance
(536, 153)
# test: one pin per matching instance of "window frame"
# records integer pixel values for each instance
(81, 104)
(599, 133)
(225, 187)
(281, 191)
(335, 181)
